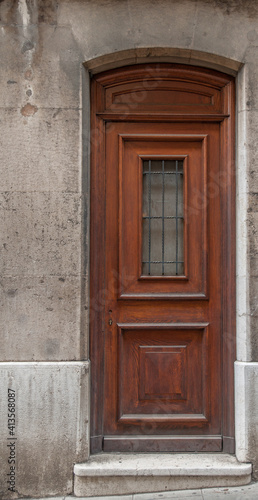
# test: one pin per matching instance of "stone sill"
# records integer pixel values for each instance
(116, 474)
(162, 465)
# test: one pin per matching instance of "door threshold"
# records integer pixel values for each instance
(131, 473)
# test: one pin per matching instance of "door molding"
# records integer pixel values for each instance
(100, 115)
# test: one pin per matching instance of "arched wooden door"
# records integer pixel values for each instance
(162, 260)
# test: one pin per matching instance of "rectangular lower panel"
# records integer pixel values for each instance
(163, 374)
(162, 443)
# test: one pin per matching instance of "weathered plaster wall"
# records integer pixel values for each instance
(44, 189)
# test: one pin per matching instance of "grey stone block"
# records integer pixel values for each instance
(45, 155)
(51, 426)
(254, 309)
(251, 132)
(246, 395)
(122, 473)
(39, 12)
(122, 27)
(222, 28)
(41, 234)
(40, 318)
(250, 61)
(40, 64)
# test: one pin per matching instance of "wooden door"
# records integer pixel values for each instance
(162, 260)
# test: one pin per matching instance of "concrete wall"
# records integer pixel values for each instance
(44, 164)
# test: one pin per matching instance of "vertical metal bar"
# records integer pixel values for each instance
(163, 210)
(176, 217)
(149, 199)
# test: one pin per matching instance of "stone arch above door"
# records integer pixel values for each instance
(142, 55)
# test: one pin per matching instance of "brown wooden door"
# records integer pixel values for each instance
(162, 262)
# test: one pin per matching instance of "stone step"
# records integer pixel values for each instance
(122, 474)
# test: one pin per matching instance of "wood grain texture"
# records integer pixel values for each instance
(161, 444)
(162, 348)
(193, 148)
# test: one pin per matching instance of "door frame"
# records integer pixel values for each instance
(97, 241)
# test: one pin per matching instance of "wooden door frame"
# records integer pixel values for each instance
(99, 116)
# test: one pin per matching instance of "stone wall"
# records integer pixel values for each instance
(44, 120)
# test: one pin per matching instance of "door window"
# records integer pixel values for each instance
(163, 218)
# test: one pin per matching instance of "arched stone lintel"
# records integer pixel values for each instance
(161, 54)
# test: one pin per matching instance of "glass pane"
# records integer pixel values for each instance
(163, 218)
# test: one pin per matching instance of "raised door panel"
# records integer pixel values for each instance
(173, 270)
(163, 373)
(162, 89)
(199, 155)
(166, 96)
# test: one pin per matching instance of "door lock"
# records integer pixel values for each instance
(110, 322)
